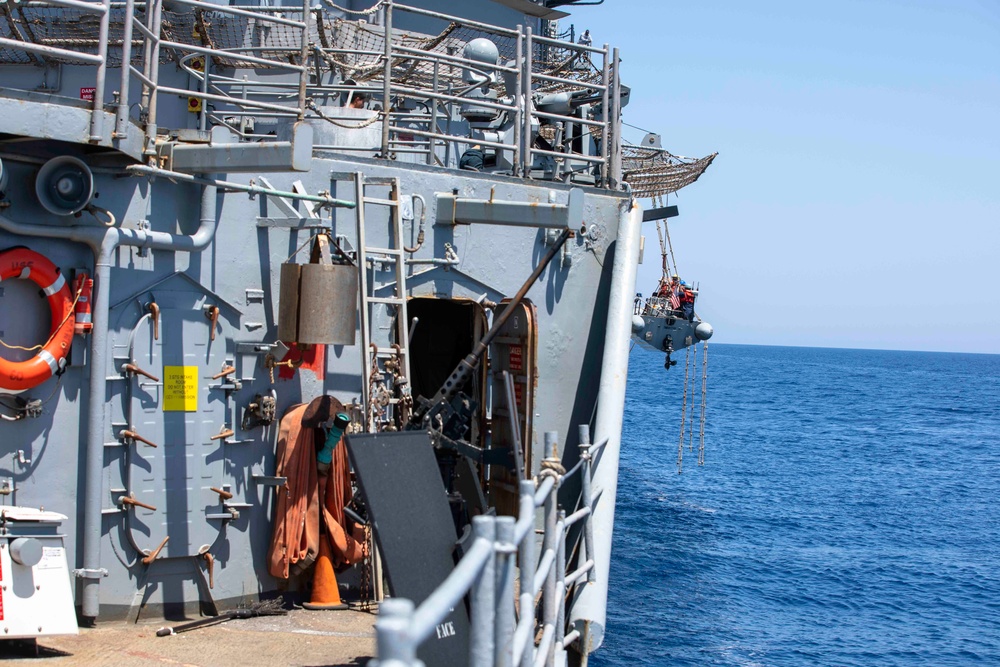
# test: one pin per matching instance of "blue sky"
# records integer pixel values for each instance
(855, 201)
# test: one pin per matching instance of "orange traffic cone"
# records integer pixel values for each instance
(325, 594)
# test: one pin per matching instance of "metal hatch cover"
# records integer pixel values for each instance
(180, 415)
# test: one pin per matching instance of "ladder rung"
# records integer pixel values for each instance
(380, 180)
(390, 352)
(384, 251)
(388, 300)
(379, 200)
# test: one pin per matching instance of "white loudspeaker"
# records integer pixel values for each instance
(64, 185)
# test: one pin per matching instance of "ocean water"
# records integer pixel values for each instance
(848, 512)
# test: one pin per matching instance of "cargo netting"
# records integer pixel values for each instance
(654, 172)
(364, 43)
(78, 31)
(358, 45)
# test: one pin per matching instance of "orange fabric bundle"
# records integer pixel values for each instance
(298, 512)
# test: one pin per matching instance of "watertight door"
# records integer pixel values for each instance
(513, 350)
(180, 414)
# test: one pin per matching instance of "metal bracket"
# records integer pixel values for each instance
(255, 348)
(254, 295)
(268, 480)
(83, 573)
(218, 156)
(454, 210)
(660, 213)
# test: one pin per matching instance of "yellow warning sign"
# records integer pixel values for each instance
(180, 388)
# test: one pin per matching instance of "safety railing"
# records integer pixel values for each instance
(552, 111)
(151, 31)
(504, 549)
(657, 306)
(23, 42)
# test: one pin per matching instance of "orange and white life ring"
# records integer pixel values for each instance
(24, 264)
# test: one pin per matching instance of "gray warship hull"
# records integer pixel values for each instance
(255, 240)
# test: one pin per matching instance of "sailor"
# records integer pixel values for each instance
(358, 101)
(666, 288)
(687, 301)
(583, 59)
(472, 159)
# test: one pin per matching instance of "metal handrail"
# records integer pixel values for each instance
(486, 574)
(90, 7)
(601, 156)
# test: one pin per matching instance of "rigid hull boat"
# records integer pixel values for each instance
(231, 235)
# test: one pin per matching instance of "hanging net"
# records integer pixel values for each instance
(653, 172)
(357, 45)
(360, 46)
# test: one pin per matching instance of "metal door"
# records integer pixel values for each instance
(180, 414)
(513, 350)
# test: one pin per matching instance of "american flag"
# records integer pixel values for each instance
(675, 300)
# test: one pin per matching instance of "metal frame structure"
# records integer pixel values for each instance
(234, 96)
(487, 572)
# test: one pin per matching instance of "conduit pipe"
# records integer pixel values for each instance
(103, 241)
(589, 610)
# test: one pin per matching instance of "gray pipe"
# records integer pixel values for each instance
(506, 567)
(387, 82)
(97, 113)
(103, 242)
(589, 609)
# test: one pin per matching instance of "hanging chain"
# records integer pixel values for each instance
(366, 571)
(680, 443)
(704, 393)
(377, 393)
(694, 382)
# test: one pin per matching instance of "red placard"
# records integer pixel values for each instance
(516, 360)
(87, 93)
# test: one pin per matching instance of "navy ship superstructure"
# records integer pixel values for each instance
(211, 214)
